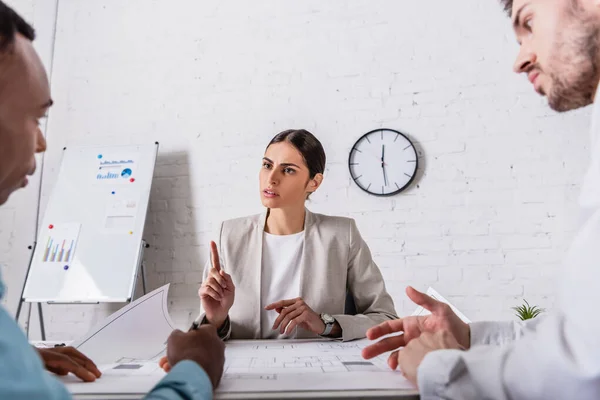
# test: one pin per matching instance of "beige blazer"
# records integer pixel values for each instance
(335, 259)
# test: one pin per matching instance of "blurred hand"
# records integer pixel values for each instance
(410, 357)
(217, 292)
(442, 318)
(203, 346)
(164, 364)
(65, 360)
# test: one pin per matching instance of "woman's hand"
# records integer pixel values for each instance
(296, 312)
(217, 292)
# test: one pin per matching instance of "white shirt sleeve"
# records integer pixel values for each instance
(545, 365)
(500, 333)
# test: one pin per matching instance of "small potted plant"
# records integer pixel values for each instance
(526, 311)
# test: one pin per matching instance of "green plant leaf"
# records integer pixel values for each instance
(527, 311)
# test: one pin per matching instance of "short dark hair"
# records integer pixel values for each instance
(11, 23)
(508, 5)
(308, 145)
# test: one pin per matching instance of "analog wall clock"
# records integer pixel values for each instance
(383, 162)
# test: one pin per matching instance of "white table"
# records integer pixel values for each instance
(345, 394)
(349, 394)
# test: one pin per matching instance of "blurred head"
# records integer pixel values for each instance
(24, 100)
(559, 48)
(292, 169)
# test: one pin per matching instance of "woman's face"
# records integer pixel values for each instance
(284, 177)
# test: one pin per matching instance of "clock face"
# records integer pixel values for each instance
(383, 162)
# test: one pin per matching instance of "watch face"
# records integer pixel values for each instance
(383, 162)
(328, 319)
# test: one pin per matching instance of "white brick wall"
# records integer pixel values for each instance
(486, 223)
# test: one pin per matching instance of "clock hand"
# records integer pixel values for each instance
(384, 177)
(370, 154)
(383, 163)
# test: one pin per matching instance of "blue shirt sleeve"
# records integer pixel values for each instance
(22, 374)
(186, 381)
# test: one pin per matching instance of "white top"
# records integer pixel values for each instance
(556, 356)
(280, 279)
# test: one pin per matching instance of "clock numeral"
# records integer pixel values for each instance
(406, 146)
(354, 163)
(382, 190)
(354, 148)
(397, 185)
(366, 137)
(382, 134)
(357, 178)
(407, 174)
(368, 186)
(411, 161)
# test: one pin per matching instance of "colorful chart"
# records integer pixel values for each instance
(60, 243)
(107, 175)
(115, 168)
(57, 252)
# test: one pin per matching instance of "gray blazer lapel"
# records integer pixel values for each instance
(310, 287)
(257, 253)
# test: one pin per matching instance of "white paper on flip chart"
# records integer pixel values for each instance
(433, 293)
(138, 331)
(264, 366)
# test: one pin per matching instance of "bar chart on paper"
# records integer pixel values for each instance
(60, 243)
(58, 252)
(115, 168)
(107, 175)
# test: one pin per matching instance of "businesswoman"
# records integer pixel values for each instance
(285, 273)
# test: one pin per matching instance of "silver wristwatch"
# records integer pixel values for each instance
(328, 320)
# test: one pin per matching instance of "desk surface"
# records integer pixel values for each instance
(333, 394)
(348, 394)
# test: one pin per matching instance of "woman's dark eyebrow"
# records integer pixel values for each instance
(283, 164)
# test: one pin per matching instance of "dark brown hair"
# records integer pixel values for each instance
(308, 145)
(11, 23)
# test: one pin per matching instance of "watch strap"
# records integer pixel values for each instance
(328, 329)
